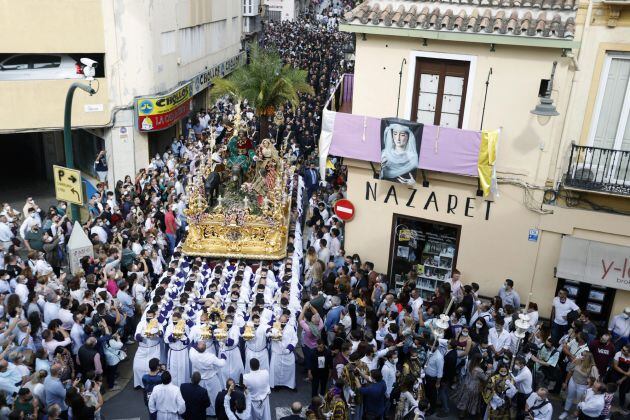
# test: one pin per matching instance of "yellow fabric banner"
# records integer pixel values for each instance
(486, 160)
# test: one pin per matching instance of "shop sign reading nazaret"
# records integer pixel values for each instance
(418, 198)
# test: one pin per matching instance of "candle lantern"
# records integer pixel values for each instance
(522, 325)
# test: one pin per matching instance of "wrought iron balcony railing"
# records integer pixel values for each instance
(599, 170)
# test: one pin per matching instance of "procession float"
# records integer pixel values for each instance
(240, 200)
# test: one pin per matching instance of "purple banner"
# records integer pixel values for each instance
(448, 150)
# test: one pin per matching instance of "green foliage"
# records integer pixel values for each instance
(266, 83)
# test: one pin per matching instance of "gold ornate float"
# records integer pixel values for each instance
(250, 219)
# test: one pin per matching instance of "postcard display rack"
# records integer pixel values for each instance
(426, 247)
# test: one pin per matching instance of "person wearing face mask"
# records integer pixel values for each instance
(546, 360)
(620, 373)
(523, 384)
(603, 352)
(497, 394)
(619, 328)
(562, 306)
(499, 338)
(433, 370)
(282, 363)
(538, 407)
(148, 348)
(256, 348)
(234, 367)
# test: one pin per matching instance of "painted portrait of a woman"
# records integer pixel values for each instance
(399, 154)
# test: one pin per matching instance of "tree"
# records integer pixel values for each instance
(266, 83)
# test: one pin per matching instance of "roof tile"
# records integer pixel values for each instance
(504, 17)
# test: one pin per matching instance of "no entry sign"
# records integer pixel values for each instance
(344, 209)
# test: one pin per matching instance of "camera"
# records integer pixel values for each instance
(90, 68)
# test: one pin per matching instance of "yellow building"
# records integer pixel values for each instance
(146, 50)
(560, 217)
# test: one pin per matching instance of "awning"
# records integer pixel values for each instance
(594, 262)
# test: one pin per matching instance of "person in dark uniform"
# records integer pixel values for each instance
(195, 397)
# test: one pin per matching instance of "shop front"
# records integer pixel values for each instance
(426, 247)
(593, 272)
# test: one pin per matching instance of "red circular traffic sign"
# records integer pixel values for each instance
(344, 209)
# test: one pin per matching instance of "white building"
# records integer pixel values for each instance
(280, 10)
(147, 51)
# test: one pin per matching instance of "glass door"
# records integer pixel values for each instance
(426, 247)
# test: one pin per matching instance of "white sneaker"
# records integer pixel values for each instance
(563, 416)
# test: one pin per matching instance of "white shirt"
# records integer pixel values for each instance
(100, 232)
(562, 309)
(5, 232)
(620, 325)
(206, 363)
(389, 376)
(77, 334)
(499, 342)
(593, 404)
(416, 306)
(22, 291)
(167, 401)
(523, 381)
(65, 316)
(544, 412)
(51, 311)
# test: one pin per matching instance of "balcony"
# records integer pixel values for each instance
(444, 149)
(251, 24)
(251, 7)
(599, 170)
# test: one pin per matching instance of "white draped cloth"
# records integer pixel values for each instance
(167, 401)
(177, 363)
(234, 362)
(148, 349)
(208, 365)
(257, 383)
(257, 348)
(282, 365)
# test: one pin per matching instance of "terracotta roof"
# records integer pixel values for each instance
(532, 18)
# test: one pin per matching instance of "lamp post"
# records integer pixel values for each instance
(67, 133)
(546, 109)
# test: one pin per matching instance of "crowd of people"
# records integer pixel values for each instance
(369, 351)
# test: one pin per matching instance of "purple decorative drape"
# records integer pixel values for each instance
(448, 150)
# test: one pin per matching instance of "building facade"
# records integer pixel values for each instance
(484, 66)
(144, 49)
(281, 10)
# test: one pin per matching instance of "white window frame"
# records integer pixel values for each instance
(601, 90)
(472, 59)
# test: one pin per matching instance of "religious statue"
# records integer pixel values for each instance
(267, 161)
(240, 151)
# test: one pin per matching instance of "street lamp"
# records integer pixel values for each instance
(546, 109)
(67, 120)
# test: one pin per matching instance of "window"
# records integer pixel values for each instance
(610, 128)
(19, 62)
(45, 61)
(439, 92)
(168, 42)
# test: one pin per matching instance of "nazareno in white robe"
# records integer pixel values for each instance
(257, 348)
(177, 363)
(234, 367)
(148, 349)
(282, 364)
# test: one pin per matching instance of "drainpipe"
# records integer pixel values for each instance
(576, 63)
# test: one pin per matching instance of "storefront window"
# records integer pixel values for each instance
(429, 248)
